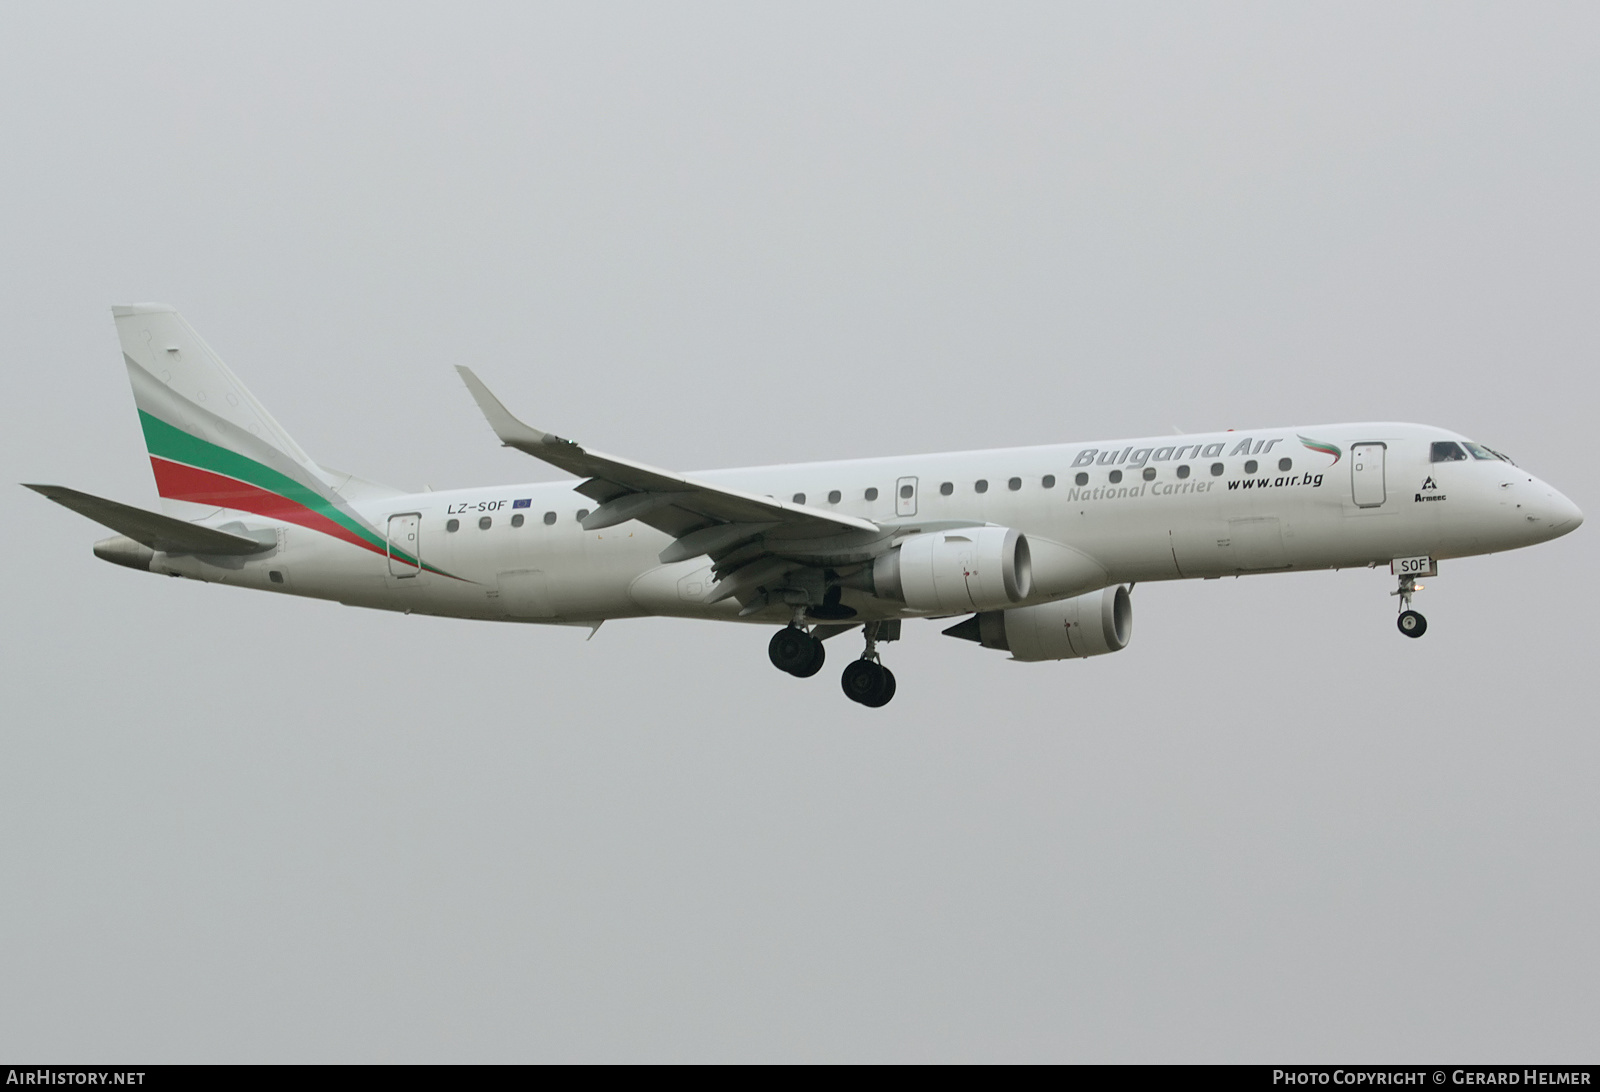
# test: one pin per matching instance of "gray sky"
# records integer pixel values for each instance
(245, 827)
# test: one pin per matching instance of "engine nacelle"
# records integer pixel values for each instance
(1068, 629)
(972, 568)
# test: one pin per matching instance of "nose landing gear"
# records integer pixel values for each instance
(1410, 622)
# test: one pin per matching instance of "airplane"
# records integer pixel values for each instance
(1035, 549)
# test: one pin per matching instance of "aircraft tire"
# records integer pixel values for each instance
(818, 655)
(795, 651)
(1412, 624)
(888, 691)
(865, 683)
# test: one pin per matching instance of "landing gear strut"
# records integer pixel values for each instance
(867, 681)
(1410, 622)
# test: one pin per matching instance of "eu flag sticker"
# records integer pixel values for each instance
(523, 503)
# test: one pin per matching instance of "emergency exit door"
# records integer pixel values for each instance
(1366, 474)
(905, 497)
(405, 544)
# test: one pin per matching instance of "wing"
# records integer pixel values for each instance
(754, 541)
(158, 532)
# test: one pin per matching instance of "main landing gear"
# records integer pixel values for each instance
(1410, 622)
(868, 682)
(794, 650)
(865, 681)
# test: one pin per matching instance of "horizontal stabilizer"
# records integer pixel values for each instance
(158, 532)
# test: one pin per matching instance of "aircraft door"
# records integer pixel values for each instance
(405, 544)
(905, 497)
(1366, 474)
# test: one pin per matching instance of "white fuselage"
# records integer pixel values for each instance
(1198, 506)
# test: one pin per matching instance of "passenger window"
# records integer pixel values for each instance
(981, 485)
(549, 519)
(1014, 484)
(872, 493)
(905, 492)
(516, 520)
(1250, 466)
(453, 525)
(1116, 476)
(485, 523)
(1447, 451)
(833, 496)
(583, 514)
(1216, 470)
(1183, 471)
(1149, 473)
(799, 498)
(1082, 478)
(946, 488)
(1049, 481)
(1285, 464)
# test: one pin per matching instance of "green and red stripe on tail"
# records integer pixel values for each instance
(188, 468)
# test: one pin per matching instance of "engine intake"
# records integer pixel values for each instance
(1068, 629)
(973, 568)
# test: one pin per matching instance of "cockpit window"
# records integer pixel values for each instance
(1448, 451)
(1481, 452)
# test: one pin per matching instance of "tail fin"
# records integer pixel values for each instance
(212, 446)
(195, 413)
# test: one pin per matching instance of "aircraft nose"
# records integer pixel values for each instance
(1543, 512)
(1564, 515)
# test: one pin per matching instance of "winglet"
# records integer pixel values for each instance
(512, 432)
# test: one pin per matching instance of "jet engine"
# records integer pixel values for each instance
(972, 568)
(1068, 629)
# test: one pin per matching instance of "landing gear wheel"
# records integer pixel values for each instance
(867, 683)
(888, 691)
(818, 654)
(795, 651)
(1412, 624)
